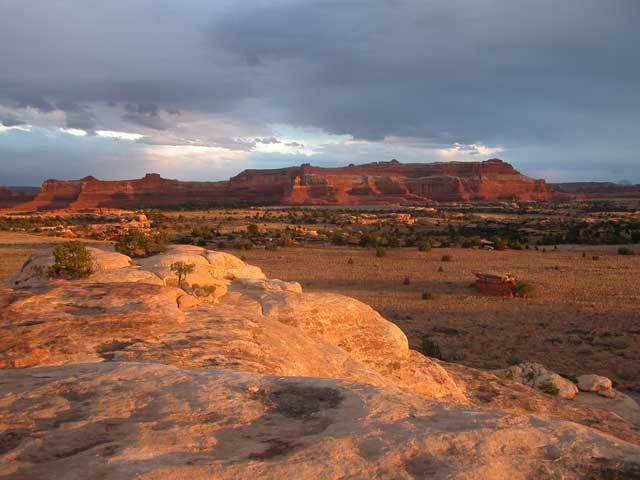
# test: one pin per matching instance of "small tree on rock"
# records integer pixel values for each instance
(72, 260)
(182, 269)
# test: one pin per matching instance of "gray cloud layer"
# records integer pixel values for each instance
(543, 78)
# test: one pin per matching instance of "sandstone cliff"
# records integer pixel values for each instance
(374, 183)
(118, 376)
(598, 189)
(12, 196)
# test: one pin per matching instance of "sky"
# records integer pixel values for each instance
(200, 90)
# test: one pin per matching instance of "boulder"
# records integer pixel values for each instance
(187, 301)
(594, 383)
(537, 376)
(271, 285)
(34, 271)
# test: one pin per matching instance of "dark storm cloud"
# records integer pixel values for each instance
(526, 75)
(10, 120)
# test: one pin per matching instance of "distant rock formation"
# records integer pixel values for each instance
(115, 377)
(598, 189)
(12, 196)
(373, 183)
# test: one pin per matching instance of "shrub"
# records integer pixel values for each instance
(446, 258)
(431, 348)
(203, 290)
(499, 243)
(380, 252)
(406, 281)
(286, 239)
(524, 289)
(549, 388)
(595, 257)
(350, 261)
(427, 296)
(271, 247)
(625, 251)
(136, 243)
(252, 229)
(182, 269)
(424, 246)
(440, 269)
(244, 244)
(71, 260)
(512, 360)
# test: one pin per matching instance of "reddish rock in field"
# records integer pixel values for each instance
(496, 284)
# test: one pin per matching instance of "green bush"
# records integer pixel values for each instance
(71, 260)
(499, 243)
(182, 269)
(512, 360)
(431, 348)
(524, 289)
(136, 243)
(271, 247)
(243, 244)
(427, 296)
(380, 252)
(424, 246)
(203, 290)
(446, 258)
(549, 388)
(625, 251)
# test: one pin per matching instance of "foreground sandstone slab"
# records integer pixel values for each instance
(117, 377)
(151, 421)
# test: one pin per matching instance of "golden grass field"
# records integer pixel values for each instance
(572, 294)
(575, 297)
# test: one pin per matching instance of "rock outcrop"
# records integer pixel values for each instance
(598, 189)
(12, 196)
(128, 374)
(374, 183)
(150, 421)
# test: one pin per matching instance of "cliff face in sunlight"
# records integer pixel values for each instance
(374, 183)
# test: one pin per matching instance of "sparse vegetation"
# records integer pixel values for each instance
(548, 388)
(424, 246)
(430, 348)
(625, 251)
(72, 260)
(406, 281)
(182, 270)
(203, 290)
(524, 289)
(138, 244)
(427, 296)
(380, 252)
(513, 360)
(447, 258)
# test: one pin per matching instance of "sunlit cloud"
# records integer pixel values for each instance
(119, 135)
(76, 132)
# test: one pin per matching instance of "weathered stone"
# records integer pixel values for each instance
(124, 420)
(537, 376)
(187, 301)
(594, 383)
